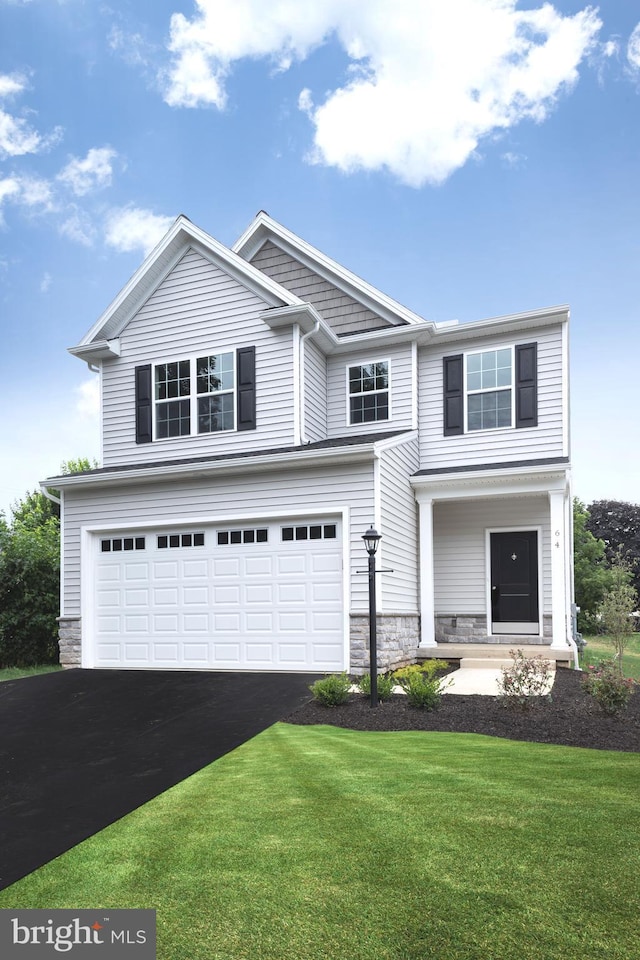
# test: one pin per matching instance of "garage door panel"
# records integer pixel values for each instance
(230, 593)
(244, 600)
(195, 596)
(165, 623)
(196, 623)
(195, 569)
(258, 594)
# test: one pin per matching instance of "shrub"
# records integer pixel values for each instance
(331, 691)
(528, 677)
(428, 668)
(607, 685)
(386, 684)
(421, 684)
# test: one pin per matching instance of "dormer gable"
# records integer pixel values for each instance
(348, 304)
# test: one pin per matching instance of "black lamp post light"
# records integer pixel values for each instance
(371, 541)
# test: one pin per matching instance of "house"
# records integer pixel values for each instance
(261, 408)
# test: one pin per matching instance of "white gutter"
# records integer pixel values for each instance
(303, 436)
(46, 493)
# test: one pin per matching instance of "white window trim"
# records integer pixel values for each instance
(466, 392)
(194, 395)
(362, 363)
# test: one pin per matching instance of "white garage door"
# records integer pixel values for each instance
(261, 596)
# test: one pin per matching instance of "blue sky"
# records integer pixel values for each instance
(471, 159)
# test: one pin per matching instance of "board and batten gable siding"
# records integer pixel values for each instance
(342, 312)
(459, 547)
(494, 446)
(399, 528)
(198, 309)
(315, 393)
(295, 491)
(401, 392)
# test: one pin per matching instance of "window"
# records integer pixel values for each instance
(212, 377)
(489, 383)
(318, 531)
(180, 540)
(117, 544)
(369, 392)
(227, 537)
(173, 414)
(215, 386)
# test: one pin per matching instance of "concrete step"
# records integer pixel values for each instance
(484, 663)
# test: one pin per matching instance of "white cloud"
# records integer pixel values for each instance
(130, 228)
(428, 80)
(17, 136)
(31, 192)
(46, 281)
(88, 400)
(633, 50)
(78, 226)
(92, 173)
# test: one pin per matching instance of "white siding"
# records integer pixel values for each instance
(253, 495)
(198, 308)
(400, 390)
(460, 549)
(315, 392)
(493, 446)
(342, 312)
(399, 588)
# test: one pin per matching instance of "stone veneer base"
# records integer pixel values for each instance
(70, 641)
(472, 628)
(397, 637)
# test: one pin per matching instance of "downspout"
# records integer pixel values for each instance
(303, 437)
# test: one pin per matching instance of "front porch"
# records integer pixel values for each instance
(496, 563)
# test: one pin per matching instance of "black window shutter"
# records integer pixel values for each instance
(246, 371)
(143, 404)
(453, 395)
(527, 385)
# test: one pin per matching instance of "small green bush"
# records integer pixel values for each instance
(422, 691)
(331, 691)
(528, 678)
(428, 668)
(386, 684)
(421, 684)
(607, 685)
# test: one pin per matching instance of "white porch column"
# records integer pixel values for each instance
(427, 590)
(559, 554)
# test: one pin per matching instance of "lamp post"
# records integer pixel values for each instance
(371, 541)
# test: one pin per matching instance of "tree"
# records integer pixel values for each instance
(617, 607)
(30, 578)
(592, 573)
(617, 523)
(30, 583)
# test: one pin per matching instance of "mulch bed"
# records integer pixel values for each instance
(572, 717)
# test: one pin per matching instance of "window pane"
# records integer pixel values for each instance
(236, 536)
(163, 542)
(223, 537)
(174, 540)
(315, 533)
(198, 539)
(330, 531)
(474, 363)
(173, 419)
(261, 536)
(474, 381)
(356, 410)
(382, 376)
(302, 533)
(128, 543)
(105, 546)
(117, 545)
(287, 533)
(249, 536)
(186, 540)
(215, 373)
(486, 411)
(139, 543)
(215, 413)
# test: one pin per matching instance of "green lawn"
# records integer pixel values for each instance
(316, 843)
(599, 648)
(16, 673)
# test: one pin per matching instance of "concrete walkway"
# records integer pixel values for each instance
(481, 676)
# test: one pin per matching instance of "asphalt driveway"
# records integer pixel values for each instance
(81, 748)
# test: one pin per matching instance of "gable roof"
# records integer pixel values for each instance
(263, 229)
(101, 340)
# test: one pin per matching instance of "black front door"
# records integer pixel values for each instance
(514, 582)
